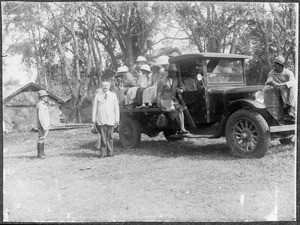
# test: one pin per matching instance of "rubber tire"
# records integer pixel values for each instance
(260, 127)
(129, 132)
(169, 132)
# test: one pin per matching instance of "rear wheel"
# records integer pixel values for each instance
(129, 132)
(247, 134)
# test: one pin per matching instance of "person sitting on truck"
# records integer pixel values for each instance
(144, 81)
(134, 94)
(141, 60)
(123, 81)
(167, 90)
(285, 81)
(163, 62)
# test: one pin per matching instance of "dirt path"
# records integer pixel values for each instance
(192, 180)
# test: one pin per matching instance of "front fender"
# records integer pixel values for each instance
(248, 104)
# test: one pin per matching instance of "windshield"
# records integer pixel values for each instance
(224, 71)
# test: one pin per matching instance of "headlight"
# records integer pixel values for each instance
(258, 96)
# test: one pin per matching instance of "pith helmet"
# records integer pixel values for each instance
(162, 60)
(122, 69)
(146, 67)
(279, 59)
(42, 93)
(141, 59)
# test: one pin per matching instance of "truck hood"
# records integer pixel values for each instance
(234, 93)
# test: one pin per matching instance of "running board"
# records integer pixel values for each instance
(191, 136)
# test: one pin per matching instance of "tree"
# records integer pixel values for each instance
(272, 33)
(212, 26)
(132, 24)
(19, 19)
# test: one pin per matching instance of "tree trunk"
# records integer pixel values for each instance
(38, 67)
(66, 71)
(42, 64)
(129, 53)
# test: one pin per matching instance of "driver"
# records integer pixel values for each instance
(284, 80)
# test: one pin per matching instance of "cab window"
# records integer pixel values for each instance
(224, 71)
(191, 74)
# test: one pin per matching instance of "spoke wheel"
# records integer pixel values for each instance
(247, 134)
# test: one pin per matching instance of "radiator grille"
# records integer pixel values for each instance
(273, 101)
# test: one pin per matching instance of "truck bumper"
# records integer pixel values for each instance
(283, 128)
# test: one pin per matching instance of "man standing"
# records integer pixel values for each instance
(285, 81)
(43, 121)
(106, 115)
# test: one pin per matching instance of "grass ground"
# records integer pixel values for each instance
(189, 180)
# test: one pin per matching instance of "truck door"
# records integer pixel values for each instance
(191, 76)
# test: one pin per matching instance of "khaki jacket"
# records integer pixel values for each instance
(43, 118)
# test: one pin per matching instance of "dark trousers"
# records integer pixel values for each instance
(107, 137)
(42, 134)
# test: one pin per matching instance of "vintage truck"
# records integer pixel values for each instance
(220, 104)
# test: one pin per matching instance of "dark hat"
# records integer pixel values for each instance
(172, 68)
(42, 93)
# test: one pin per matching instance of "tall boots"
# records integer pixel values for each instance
(41, 152)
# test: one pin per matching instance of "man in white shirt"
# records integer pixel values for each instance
(106, 116)
(285, 81)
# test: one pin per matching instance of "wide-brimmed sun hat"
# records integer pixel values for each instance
(42, 93)
(146, 68)
(162, 60)
(141, 59)
(280, 60)
(122, 69)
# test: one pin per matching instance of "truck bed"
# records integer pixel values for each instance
(154, 110)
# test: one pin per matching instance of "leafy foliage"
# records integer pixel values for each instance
(75, 46)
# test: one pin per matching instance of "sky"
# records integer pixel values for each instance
(13, 69)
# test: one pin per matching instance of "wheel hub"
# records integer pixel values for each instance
(245, 135)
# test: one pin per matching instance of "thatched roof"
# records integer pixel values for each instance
(31, 87)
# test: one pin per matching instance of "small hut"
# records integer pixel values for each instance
(19, 108)
(85, 110)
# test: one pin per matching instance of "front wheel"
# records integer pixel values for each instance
(129, 132)
(247, 134)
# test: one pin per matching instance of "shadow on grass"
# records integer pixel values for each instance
(94, 154)
(31, 157)
(188, 149)
(158, 148)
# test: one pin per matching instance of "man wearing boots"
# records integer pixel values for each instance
(43, 121)
(106, 115)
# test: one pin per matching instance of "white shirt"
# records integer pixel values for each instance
(286, 76)
(106, 109)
